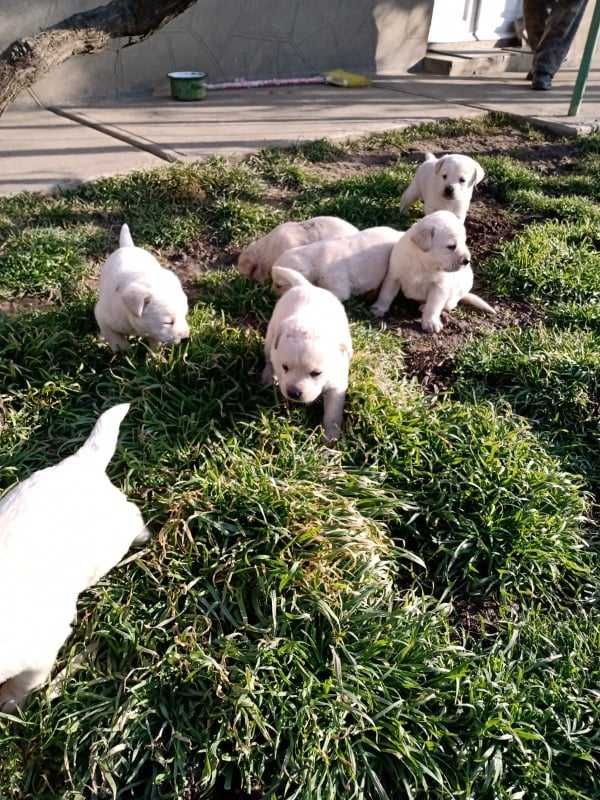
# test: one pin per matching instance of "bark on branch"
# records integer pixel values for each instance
(27, 60)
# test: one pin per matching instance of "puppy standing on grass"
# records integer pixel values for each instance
(138, 297)
(351, 265)
(257, 259)
(431, 263)
(444, 184)
(61, 530)
(308, 348)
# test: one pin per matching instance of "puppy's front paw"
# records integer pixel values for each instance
(267, 375)
(332, 431)
(431, 324)
(378, 311)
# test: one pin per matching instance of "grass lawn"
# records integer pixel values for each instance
(412, 613)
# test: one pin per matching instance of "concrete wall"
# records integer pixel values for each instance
(233, 38)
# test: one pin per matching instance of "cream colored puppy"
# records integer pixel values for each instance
(61, 530)
(308, 348)
(256, 260)
(431, 263)
(138, 297)
(444, 184)
(352, 265)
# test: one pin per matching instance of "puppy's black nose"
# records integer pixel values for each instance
(294, 393)
(465, 261)
(449, 191)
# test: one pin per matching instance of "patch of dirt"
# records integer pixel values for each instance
(22, 305)
(477, 619)
(430, 357)
(198, 256)
(488, 225)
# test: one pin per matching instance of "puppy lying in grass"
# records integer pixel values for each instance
(352, 265)
(444, 184)
(308, 348)
(431, 263)
(138, 297)
(61, 530)
(257, 259)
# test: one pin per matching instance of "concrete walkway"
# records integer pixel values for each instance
(44, 148)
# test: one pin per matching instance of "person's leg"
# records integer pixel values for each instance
(556, 40)
(535, 15)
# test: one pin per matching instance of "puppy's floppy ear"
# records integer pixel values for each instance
(422, 235)
(438, 166)
(135, 298)
(478, 175)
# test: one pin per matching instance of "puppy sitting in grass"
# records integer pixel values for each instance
(257, 259)
(308, 348)
(61, 530)
(138, 297)
(431, 263)
(351, 265)
(444, 184)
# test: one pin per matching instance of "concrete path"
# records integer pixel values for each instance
(42, 149)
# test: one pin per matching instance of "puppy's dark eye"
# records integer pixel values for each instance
(285, 367)
(315, 373)
(444, 177)
(451, 247)
(461, 180)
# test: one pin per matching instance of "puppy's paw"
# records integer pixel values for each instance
(432, 324)
(267, 375)
(332, 431)
(378, 311)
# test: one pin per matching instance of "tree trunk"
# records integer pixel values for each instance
(27, 60)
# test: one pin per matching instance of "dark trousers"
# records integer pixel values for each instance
(551, 27)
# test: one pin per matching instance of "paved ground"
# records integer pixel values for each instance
(43, 149)
(40, 150)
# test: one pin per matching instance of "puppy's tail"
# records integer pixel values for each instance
(284, 277)
(125, 239)
(475, 301)
(101, 444)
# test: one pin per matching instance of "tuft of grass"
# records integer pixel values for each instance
(550, 376)
(282, 169)
(365, 200)
(548, 262)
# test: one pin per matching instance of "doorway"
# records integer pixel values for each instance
(473, 20)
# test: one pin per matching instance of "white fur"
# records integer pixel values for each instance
(61, 530)
(257, 259)
(444, 184)
(352, 265)
(431, 264)
(309, 333)
(138, 297)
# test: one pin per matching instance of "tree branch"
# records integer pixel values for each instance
(27, 60)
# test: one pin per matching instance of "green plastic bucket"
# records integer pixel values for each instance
(188, 85)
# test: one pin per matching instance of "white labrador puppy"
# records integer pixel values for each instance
(138, 297)
(352, 265)
(308, 348)
(257, 259)
(61, 530)
(444, 184)
(431, 263)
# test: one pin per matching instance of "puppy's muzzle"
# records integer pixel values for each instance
(449, 191)
(459, 263)
(294, 393)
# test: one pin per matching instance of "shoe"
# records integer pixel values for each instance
(541, 81)
(529, 76)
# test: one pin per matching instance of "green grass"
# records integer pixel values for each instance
(412, 613)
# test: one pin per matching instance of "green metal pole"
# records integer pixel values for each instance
(586, 60)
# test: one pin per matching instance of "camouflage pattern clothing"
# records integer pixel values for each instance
(551, 27)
